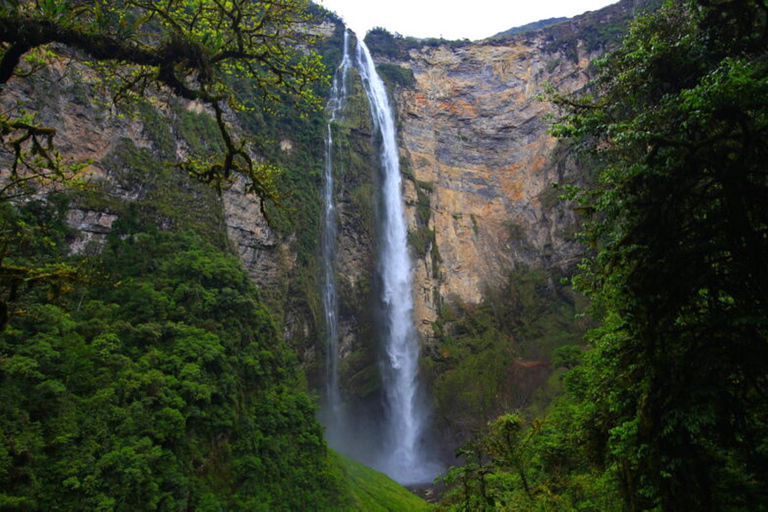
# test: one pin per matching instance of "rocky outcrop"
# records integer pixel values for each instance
(92, 228)
(265, 254)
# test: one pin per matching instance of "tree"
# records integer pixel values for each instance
(195, 48)
(164, 386)
(678, 128)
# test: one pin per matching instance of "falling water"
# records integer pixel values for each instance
(403, 456)
(333, 414)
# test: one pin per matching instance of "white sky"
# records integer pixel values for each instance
(453, 19)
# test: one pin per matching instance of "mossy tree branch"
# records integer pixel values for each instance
(192, 48)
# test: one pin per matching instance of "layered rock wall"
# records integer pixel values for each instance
(474, 136)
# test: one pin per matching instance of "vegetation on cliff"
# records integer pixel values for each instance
(194, 49)
(135, 51)
(667, 408)
(391, 46)
(150, 375)
(492, 357)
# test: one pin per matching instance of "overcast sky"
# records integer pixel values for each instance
(453, 19)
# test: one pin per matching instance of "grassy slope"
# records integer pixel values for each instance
(373, 491)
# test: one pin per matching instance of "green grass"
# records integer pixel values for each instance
(373, 491)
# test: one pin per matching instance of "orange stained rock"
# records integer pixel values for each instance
(463, 108)
(538, 162)
(513, 189)
(420, 100)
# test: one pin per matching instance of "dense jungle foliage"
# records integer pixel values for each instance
(666, 409)
(158, 381)
(161, 383)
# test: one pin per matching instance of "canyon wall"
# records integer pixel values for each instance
(474, 135)
(490, 237)
(480, 163)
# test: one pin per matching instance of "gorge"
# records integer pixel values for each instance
(477, 168)
(412, 276)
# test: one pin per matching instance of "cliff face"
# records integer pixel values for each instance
(474, 141)
(474, 129)
(489, 236)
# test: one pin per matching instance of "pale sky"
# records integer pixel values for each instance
(453, 19)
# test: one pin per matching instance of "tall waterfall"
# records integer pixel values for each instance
(333, 412)
(393, 444)
(403, 457)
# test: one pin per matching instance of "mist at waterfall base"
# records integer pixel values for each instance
(390, 436)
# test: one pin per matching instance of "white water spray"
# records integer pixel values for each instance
(333, 413)
(403, 456)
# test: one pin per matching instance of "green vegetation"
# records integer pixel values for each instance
(374, 491)
(355, 161)
(422, 239)
(471, 372)
(386, 44)
(31, 238)
(593, 31)
(396, 76)
(683, 136)
(199, 130)
(383, 43)
(167, 197)
(161, 384)
(533, 465)
(666, 409)
(536, 25)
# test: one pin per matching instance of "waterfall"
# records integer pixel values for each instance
(403, 457)
(333, 413)
(393, 444)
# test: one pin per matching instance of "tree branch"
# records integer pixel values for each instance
(11, 59)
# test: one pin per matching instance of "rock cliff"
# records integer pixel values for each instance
(130, 148)
(474, 143)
